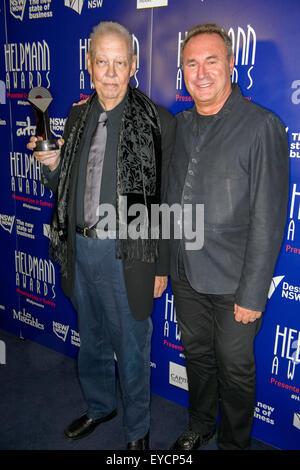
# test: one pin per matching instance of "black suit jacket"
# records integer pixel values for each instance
(237, 167)
(139, 276)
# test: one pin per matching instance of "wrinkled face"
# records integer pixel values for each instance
(207, 72)
(111, 68)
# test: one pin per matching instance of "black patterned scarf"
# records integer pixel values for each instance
(138, 177)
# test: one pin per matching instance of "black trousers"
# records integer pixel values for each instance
(220, 364)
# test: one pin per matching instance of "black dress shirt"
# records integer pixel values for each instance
(108, 181)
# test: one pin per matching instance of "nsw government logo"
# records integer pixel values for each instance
(7, 222)
(296, 420)
(274, 284)
(60, 330)
(177, 375)
(76, 5)
(17, 8)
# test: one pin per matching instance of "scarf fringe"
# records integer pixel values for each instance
(130, 250)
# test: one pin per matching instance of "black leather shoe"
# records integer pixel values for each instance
(192, 440)
(140, 444)
(84, 426)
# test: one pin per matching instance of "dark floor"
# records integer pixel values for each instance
(41, 395)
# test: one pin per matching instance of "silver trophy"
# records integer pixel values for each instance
(40, 98)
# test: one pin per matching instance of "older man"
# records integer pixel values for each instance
(231, 156)
(116, 148)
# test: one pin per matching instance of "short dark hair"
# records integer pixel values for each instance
(208, 28)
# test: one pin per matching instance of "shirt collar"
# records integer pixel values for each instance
(113, 113)
(234, 96)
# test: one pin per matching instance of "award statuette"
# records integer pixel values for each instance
(40, 98)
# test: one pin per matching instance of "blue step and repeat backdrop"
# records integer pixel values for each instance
(44, 43)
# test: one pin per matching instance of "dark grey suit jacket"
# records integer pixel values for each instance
(139, 276)
(237, 167)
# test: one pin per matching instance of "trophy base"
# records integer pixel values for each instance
(46, 145)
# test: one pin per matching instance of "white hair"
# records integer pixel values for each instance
(110, 27)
